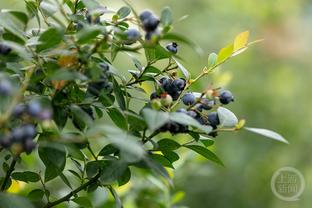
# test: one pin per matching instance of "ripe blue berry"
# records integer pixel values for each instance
(29, 131)
(19, 110)
(151, 23)
(6, 87)
(189, 99)
(145, 14)
(104, 66)
(154, 95)
(179, 84)
(213, 119)
(5, 142)
(4, 49)
(29, 145)
(226, 97)
(132, 36)
(172, 47)
(34, 108)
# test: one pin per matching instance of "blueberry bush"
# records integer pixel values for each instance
(61, 93)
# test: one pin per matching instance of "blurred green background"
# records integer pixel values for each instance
(272, 85)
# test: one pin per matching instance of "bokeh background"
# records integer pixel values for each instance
(272, 85)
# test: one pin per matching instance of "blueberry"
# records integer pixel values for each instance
(192, 113)
(182, 110)
(132, 35)
(151, 23)
(226, 97)
(4, 49)
(154, 95)
(5, 142)
(145, 14)
(89, 111)
(179, 83)
(166, 84)
(207, 104)
(29, 131)
(189, 99)
(29, 146)
(34, 108)
(6, 87)
(172, 47)
(18, 134)
(108, 87)
(213, 119)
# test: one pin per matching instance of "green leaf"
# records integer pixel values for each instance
(26, 176)
(91, 4)
(212, 60)
(118, 117)
(166, 16)
(205, 153)
(75, 152)
(155, 119)
(108, 150)
(268, 133)
(7, 22)
(53, 156)
(162, 160)
(64, 74)
(14, 201)
(83, 201)
(182, 118)
(206, 141)
(168, 144)
(225, 53)
(21, 16)
(49, 39)
(156, 53)
(170, 155)
(88, 34)
(135, 121)
(152, 69)
(35, 195)
(32, 11)
(119, 95)
(123, 12)
(80, 117)
(112, 171)
(183, 69)
(227, 118)
(125, 177)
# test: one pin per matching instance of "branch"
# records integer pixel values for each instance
(74, 192)
(8, 173)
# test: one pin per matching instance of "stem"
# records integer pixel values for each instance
(74, 192)
(8, 173)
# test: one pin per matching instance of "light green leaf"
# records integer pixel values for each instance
(212, 60)
(162, 160)
(183, 69)
(227, 118)
(49, 39)
(83, 201)
(155, 119)
(48, 7)
(118, 117)
(7, 22)
(123, 12)
(225, 53)
(88, 34)
(267, 133)
(166, 16)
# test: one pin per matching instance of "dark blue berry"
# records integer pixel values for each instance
(172, 47)
(151, 23)
(29, 145)
(34, 108)
(4, 49)
(192, 113)
(182, 110)
(18, 134)
(189, 99)
(152, 36)
(145, 14)
(213, 119)
(132, 35)
(104, 66)
(6, 87)
(19, 110)
(89, 111)
(29, 131)
(226, 97)
(206, 104)
(5, 142)
(179, 83)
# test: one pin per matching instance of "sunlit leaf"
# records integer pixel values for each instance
(241, 41)
(225, 53)
(268, 133)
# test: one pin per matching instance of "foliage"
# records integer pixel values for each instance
(62, 73)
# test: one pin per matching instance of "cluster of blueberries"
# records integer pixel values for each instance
(23, 135)
(195, 106)
(5, 49)
(150, 24)
(103, 84)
